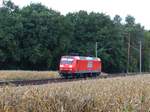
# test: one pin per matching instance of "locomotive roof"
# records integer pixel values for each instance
(82, 57)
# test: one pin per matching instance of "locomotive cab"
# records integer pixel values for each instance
(66, 64)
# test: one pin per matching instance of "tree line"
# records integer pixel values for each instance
(35, 37)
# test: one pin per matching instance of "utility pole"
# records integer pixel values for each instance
(140, 57)
(149, 63)
(96, 49)
(128, 61)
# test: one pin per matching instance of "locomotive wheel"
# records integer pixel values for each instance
(94, 75)
(84, 75)
(88, 74)
(77, 75)
(64, 75)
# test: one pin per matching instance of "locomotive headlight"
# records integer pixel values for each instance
(70, 66)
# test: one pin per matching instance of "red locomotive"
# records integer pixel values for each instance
(79, 66)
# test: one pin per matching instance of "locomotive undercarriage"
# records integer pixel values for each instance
(79, 75)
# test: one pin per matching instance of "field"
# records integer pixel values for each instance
(27, 75)
(127, 94)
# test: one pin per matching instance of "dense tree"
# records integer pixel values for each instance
(35, 38)
(146, 52)
(135, 34)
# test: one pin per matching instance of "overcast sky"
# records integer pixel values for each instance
(138, 8)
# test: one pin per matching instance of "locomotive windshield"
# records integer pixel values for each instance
(66, 61)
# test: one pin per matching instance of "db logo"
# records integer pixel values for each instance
(90, 64)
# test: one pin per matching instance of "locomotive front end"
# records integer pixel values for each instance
(66, 66)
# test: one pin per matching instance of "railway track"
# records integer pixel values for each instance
(55, 80)
(40, 82)
(29, 82)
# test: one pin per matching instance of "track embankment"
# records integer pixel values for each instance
(60, 80)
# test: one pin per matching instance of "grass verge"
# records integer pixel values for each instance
(27, 75)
